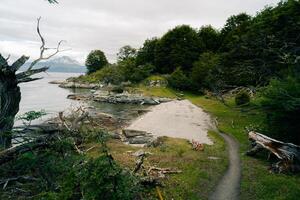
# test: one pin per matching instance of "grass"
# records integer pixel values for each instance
(199, 173)
(257, 182)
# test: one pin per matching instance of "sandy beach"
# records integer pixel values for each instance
(177, 119)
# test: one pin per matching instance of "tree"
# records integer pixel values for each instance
(180, 46)
(210, 37)
(96, 60)
(146, 55)
(10, 93)
(126, 52)
(236, 26)
(202, 69)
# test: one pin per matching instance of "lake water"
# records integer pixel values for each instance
(40, 95)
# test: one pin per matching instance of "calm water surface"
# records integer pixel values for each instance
(40, 95)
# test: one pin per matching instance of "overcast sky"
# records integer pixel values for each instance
(107, 24)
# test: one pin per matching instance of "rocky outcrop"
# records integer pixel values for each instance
(128, 99)
(67, 84)
(137, 137)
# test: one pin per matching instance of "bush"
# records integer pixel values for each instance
(179, 80)
(242, 98)
(141, 72)
(118, 89)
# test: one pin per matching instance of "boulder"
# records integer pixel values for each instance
(140, 140)
(133, 133)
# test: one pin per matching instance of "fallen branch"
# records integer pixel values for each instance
(11, 153)
(5, 182)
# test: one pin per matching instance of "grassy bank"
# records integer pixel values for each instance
(199, 174)
(257, 182)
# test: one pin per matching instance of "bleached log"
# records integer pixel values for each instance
(287, 153)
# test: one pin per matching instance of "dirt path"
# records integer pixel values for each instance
(229, 186)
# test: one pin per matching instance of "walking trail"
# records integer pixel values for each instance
(228, 187)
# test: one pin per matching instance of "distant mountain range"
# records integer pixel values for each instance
(61, 64)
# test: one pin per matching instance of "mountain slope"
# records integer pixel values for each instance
(60, 64)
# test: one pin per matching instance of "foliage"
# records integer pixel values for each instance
(96, 60)
(282, 104)
(203, 68)
(180, 46)
(126, 52)
(242, 98)
(146, 54)
(30, 116)
(59, 172)
(179, 80)
(132, 72)
(210, 37)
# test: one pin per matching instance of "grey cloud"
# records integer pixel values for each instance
(107, 24)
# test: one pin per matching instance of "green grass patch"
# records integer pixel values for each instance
(199, 173)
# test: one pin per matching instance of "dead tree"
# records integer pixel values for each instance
(10, 95)
(287, 153)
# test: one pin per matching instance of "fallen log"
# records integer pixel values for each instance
(11, 153)
(287, 153)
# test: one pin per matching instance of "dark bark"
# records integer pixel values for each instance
(10, 96)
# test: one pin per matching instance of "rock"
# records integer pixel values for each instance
(156, 142)
(133, 133)
(79, 85)
(157, 83)
(58, 82)
(78, 97)
(127, 98)
(115, 136)
(140, 140)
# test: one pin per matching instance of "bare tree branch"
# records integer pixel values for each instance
(43, 48)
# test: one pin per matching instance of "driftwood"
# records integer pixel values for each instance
(287, 153)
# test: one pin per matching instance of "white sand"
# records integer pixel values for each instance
(177, 119)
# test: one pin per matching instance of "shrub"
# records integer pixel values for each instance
(141, 72)
(118, 89)
(242, 98)
(179, 80)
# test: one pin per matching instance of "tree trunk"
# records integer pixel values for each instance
(287, 153)
(10, 97)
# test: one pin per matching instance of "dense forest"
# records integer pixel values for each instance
(258, 52)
